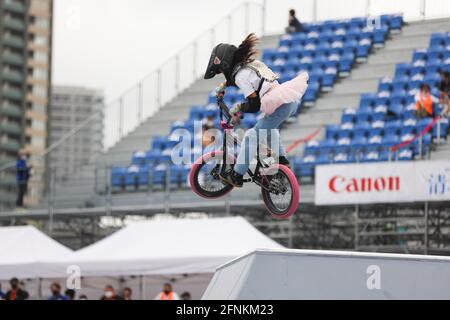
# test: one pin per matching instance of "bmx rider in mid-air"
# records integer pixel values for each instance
(263, 93)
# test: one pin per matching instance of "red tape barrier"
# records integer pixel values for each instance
(416, 136)
(298, 142)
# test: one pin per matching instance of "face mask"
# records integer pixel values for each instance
(109, 294)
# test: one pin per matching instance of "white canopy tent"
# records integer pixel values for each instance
(24, 251)
(167, 247)
(144, 255)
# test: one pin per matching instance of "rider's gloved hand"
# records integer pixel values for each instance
(236, 109)
(220, 90)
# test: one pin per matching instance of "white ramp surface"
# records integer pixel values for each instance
(309, 274)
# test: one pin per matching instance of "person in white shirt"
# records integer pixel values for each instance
(262, 92)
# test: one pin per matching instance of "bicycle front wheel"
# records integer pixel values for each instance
(204, 176)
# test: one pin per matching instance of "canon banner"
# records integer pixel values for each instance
(385, 182)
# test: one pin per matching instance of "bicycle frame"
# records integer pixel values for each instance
(227, 126)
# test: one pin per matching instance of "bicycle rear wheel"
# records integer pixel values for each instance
(280, 191)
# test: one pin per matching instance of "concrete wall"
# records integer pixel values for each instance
(301, 274)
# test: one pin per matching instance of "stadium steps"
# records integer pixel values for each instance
(364, 78)
(442, 151)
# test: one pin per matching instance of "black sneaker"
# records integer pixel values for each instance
(233, 178)
(284, 161)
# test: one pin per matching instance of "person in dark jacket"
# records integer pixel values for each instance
(127, 294)
(16, 293)
(55, 288)
(70, 294)
(22, 177)
(294, 24)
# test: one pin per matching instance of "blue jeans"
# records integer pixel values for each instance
(270, 124)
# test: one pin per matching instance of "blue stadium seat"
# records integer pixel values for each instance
(372, 156)
(357, 23)
(380, 35)
(361, 129)
(346, 62)
(405, 155)
(306, 166)
(311, 93)
(359, 142)
(396, 22)
(139, 158)
(118, 175)
(344, 158)
(159, 143)
(385, 84)
(367, 100)
(438, 39)
(326, 146)
(402, 69)
(363, 49)
(312, 148)
(419, 54)
(332, 131)
(349, 115)
(269, 54)
(391, 140)
(137, 176)
(392, 127)
(159, 175)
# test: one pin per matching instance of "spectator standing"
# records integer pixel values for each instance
(424, 102)
(22, 177)
(167, 293)
(16, 292)
(127, 293)
(110, 294)
(55, 288)
(444, 87)
(2, 294)
(294, 24)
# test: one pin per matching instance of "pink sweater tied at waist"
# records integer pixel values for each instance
(287, 92)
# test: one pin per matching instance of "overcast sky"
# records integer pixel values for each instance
(112, 44)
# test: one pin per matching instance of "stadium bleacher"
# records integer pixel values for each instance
(386, 118)
(326, 50)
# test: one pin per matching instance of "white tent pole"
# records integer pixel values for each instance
(142, 286)
(38, 288)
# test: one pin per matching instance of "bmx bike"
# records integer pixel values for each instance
(279, 186)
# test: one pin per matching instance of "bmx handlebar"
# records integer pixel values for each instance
(226, 110)
(222, 106)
